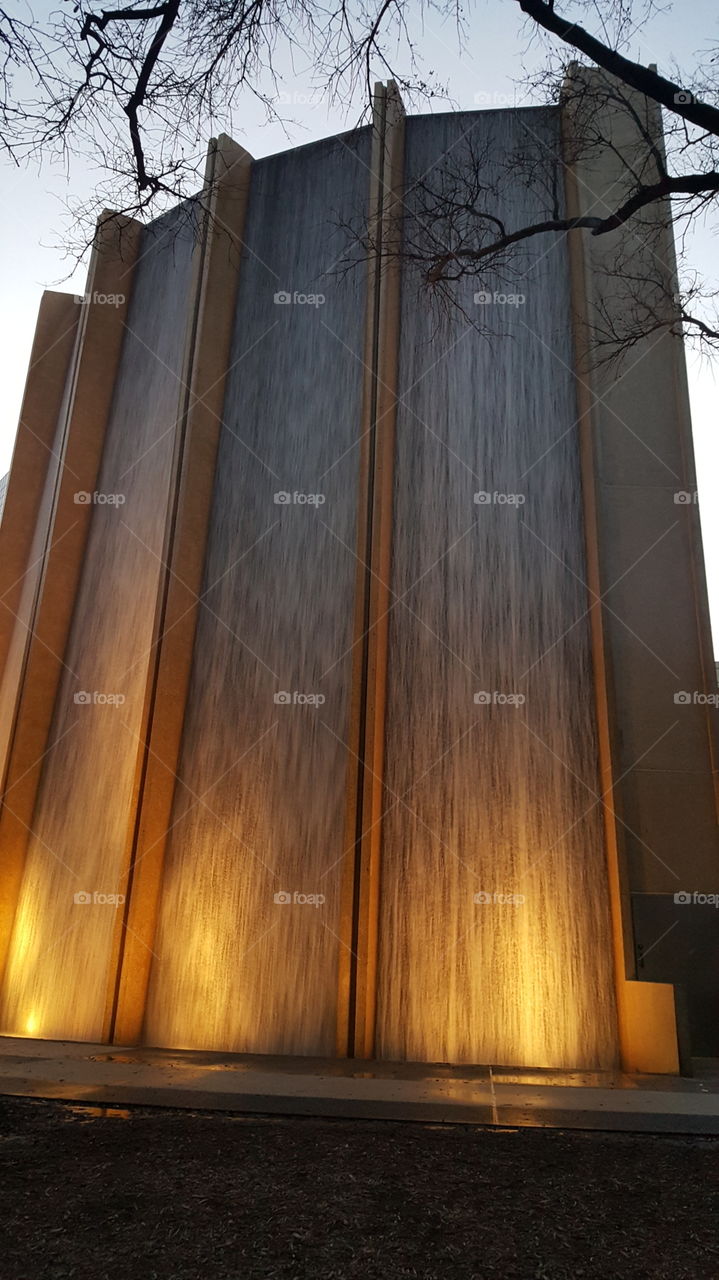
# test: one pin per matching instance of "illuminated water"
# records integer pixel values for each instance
(19, 640)
(260, 808)
(483, 797)
(491, 798)
(58, 969)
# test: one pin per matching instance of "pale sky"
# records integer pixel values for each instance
(483, 70)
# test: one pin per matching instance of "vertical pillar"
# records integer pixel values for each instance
(360, 892)
(52, 348)
(647, 597)
(217, 270)
(101, 330)
(33, 472)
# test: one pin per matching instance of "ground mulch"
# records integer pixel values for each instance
(177, 1194)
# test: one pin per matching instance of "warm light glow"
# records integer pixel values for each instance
(490, 883)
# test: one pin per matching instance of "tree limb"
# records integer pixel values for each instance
(634, 74)
(118, 15)
(137, 97)
(693, 184)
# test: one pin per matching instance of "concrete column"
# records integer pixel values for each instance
(646, 581)
(28, 503)
(100, 336)
(360, 893)
(217, 264)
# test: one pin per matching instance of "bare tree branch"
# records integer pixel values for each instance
(674, 97)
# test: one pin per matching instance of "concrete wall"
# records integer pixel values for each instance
(645, 581)
(652, 637)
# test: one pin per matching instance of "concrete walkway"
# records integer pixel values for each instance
(106, 1076)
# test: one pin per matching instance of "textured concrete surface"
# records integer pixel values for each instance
(109, 1075)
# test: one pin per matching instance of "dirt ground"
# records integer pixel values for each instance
(182, 1194)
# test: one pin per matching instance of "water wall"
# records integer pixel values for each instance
(491, 796)
(406, 856)
(261, 795)
(60, 953)
(12, 672)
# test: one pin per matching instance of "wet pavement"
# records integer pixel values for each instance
(110, 1076)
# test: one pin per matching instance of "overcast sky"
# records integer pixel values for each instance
(483, 70)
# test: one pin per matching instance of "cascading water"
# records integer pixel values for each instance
(61, 950)
(491, 796)
(17, 648)
(260, 804)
